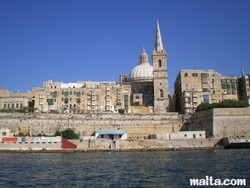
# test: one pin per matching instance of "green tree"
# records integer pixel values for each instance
(121, 111)
(68, 133)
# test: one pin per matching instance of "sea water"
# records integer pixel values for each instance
(122, 169)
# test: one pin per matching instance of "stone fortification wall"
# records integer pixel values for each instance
(30, 146)
(147, 143)
(231, 122)
(137, 125)
(222, 122)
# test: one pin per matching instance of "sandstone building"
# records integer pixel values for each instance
(82, 97)
(11, 100)
(192, 87)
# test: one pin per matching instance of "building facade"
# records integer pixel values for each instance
(15, 101)
(82, 97)
(193, 87)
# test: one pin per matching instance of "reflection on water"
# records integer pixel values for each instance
(120, 169)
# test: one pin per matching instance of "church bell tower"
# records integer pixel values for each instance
(160, 75)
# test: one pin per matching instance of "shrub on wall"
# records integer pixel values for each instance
(134, 104)
(68, 133)
(121, 111)
(222, 104)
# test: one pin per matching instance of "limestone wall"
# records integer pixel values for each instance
(29, 146)
(222, 122)
(231, 121)
(137, 125)
(147, 143)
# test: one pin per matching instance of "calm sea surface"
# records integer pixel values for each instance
(121, 169)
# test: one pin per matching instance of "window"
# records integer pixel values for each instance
(186, 85)
(21, 105)
(204, 75)
(161, 93)
(206, 98)
(54, 94)
(159, 62)
(12, 105)
(185, 135)
(70, 92)
(8, 105)
(120, 135)
(4, 105)
(16, 105)
(102, 136)
(200, 134)
(185, 74)
(149, 89)
(137, 97)
(3, 133)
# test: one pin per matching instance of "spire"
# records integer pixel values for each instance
(158, 41)
(242, 72)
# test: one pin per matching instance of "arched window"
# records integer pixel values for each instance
(159, 62)
(161, 93)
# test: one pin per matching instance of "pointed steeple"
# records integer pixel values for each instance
(158, 41)
(242, 72)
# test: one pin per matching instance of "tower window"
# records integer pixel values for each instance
(159, 62)
(161, 93)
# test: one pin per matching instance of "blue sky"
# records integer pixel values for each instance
(72, 40)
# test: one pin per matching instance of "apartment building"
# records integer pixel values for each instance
(82, 97)
(193, 87)
(196, 86)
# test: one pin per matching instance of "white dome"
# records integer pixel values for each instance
(143, 71)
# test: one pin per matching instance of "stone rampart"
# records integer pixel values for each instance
(137, 125)
(147, 143)
(222, 122)
(29, 146)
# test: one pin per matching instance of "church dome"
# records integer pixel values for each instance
(143, 71)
